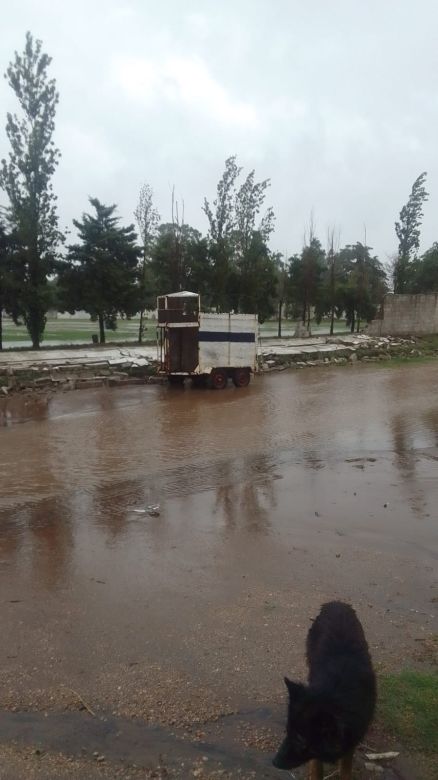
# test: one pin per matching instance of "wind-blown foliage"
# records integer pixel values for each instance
(408, 233)
(243, 267)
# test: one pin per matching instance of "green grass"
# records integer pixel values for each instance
(403, 360)
(81, 331)
(408, 707)
(428, 343)
(269, 329)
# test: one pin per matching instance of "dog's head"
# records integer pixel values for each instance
(312, 729)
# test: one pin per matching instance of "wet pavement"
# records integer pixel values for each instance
(304, 487)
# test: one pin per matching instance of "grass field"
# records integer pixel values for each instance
(408, 705)
(77, 331)
(80, 331)
(408, 709)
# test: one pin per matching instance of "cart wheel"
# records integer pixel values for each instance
(241, 377)
(218, 379)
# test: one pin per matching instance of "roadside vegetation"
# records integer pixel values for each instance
(408, 707)
(408, 712)
(113, 272)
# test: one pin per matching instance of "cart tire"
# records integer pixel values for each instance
(241, 377)
(218, 379)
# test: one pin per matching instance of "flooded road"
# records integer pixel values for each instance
(304, 487)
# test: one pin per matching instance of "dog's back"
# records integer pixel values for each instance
(328, 717)
(340, 664)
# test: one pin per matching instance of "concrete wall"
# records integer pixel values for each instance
(415, 315)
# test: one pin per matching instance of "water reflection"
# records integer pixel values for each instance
(406, 460)
(112, 505)
(51, 535)
(430, 419)
(210, 459)
(245, 495)
(44, 530)
(20, 408)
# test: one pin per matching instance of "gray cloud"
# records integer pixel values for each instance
(334, 101)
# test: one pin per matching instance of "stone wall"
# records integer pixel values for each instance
(414, 315)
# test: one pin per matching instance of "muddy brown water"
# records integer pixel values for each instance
(304, 487)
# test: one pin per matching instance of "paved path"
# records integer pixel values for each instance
(138, 355)
(90, 356)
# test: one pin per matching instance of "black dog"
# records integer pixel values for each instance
(329, 717)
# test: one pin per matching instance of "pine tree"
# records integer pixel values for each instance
(27, 179)
(100, 274)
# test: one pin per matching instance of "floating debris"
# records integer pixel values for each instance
(153, 510)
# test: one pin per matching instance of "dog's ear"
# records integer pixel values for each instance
(297, 691)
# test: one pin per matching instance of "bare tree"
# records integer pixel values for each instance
(282, 285)
(147, 218)
(178, 236)
(333, 240)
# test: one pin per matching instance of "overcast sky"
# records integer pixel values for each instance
(336, 101)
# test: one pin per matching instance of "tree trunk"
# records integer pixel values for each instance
(332, 321)
(35, 316)
(308, 317)
(1, 326)
(140, 328)
(34, 329)
(304, 311)
(358, 325)
(353, 322)
(101, 329)
(280, 306)
(332, 294)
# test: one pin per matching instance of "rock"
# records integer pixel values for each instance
(353, 357)
(382, 756)
(86, 384)
(378, 770)
(4, 390)
(301, 332)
